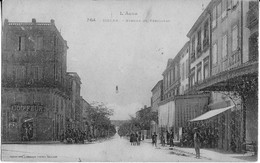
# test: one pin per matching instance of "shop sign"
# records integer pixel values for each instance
(27, 108)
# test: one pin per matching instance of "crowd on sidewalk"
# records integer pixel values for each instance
(76, 136)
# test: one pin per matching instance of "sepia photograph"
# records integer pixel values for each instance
(129, 80)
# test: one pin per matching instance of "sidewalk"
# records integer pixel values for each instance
(209, 154)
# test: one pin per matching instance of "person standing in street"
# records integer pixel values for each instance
(197, 142)
(171, 139)
(154, 139)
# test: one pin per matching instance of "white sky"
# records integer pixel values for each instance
(107, 54)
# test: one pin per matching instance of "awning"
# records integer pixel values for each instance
(211, 114)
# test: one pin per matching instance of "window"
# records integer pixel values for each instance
(206, 67)
(183, 71)
(35, 71)
(39, 45)
(214, 21)
(219, 10)
(199, 75)
(169, 79)
(234, 38)
(253, 47)
(19, 72)
(172, 75)
(192, 77)
(55, 72)
(214, 53)
(224, 47)
(187, 68)
(176, 72)
(21, 43)
(199, 42)
(224, 8)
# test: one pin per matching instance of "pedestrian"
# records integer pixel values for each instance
(197, 142)
(171, 139)
(167, 137)
(154, 139)
(163, 140)
(131, 138)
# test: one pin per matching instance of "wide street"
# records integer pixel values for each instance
(116, 149)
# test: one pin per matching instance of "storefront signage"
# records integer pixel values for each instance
(28, 108)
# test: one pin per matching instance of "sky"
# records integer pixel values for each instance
(106, 54)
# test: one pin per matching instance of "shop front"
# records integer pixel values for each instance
(26, 123)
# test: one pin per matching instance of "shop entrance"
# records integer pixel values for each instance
(27, 131)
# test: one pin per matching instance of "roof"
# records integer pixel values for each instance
(159, 82)
(201, 18)
(211, 114)
(74, 75)
(50, 25)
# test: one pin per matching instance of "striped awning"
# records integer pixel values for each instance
(211, 114)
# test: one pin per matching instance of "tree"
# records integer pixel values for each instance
(99, 115)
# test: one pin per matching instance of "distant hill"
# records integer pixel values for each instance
(118, 122)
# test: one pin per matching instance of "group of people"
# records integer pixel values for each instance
(169, 138)
(135, 138)
(72, 136)
(208, 136)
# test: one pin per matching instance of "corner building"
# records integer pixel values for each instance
(34, 93)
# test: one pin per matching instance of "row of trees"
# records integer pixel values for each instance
(97, 119)
(138, 123)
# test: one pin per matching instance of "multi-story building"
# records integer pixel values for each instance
(74, 119)
(157, 96)
(200, 37)
(184, 69)
(34, 95)
(234, 70)
(86, 119)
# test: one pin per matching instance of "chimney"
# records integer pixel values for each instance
(34, 21)
(145, 106)
(52, 21)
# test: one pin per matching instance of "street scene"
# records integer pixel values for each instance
(129, 81)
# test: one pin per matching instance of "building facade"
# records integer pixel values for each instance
(234, 70)
(34, 95)
(74, 115)
(184, 69)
